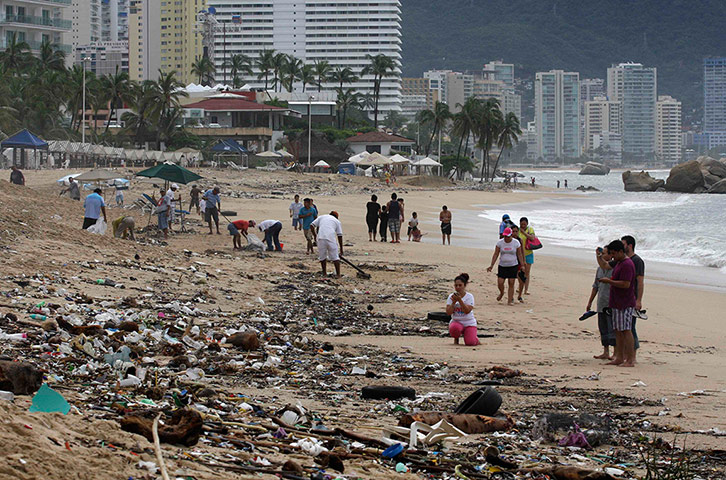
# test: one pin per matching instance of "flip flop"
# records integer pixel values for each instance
(641, 314)
(587, 315)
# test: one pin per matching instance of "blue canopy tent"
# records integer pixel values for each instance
(24, 140)
(230, 147)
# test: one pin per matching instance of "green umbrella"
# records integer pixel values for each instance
(170, 173)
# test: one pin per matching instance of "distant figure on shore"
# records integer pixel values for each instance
(330, 241)
(272, 229)
(602, 291)
(94, 206)
(394, 218)
(412, 225)
(558, 184)
(622, 304)
(445, 219)
(533, 180)
(565, 183)
(373, 211)
(163, 211)
(295, 208)
(307, 214)
(460, 305)
(511, 259)
(213, 204)
(237, 229)
(73, 189)
(124, 226)
(526, 234)
(194, 198)
(384, 223)
(16, 176)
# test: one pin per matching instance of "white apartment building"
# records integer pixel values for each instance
(105, 58)
(609, 147)
(668, 140)
(503, 72)
(437, 82)
(601, 115)
(34, 21)
(99, 21)
(341, 32)
(635, 86)
(144, 39)
(557, 114)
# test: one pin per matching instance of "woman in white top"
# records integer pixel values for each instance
(460, 306)
(510, 261)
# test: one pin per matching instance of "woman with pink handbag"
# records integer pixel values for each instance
(530, 243)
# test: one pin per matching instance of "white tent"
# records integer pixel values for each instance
(65, 180)
(322, 163)
(426, 164)
(357, 158)
(374, 160)
(269, 154)
(399, 160)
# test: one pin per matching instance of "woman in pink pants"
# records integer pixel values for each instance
(460, 306)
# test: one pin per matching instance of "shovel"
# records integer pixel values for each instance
(361, 273)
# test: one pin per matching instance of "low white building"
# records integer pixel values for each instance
(379, 142)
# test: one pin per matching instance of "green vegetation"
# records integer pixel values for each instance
(586, 37)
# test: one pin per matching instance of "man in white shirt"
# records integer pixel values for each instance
(330, 237)
(271, 228)
(174, 197)
(295, 213)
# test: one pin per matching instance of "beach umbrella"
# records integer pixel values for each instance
(269, 154)
(171, 173)
(284, 154)
(322, 163)
(98, 175)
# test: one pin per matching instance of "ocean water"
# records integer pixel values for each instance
(684, 229)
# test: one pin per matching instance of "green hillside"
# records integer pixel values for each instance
(583, 36)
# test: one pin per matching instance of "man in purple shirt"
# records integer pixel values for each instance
(622, 304)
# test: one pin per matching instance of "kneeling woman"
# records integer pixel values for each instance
(460, 306)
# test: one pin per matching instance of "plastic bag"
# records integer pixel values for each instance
(99, 227)
(254, 244)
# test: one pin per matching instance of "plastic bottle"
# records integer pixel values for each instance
(39, 317)
(13, 337)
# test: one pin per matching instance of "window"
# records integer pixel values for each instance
(8, 10)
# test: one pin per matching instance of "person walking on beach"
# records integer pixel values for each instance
(445, 219)
(307, 214)
(506, 223)
(384, 223)
(194, 198)
(558, 184)
(295, 208)
(521, 277)
(212, 205)
(394, 218)
(237, 229)
(629, 243)
(163, 210)
(16, 176)
(272, 230)
(373, 211)
(622, 304)
(73, 189)
(511, 258)
(330, 241)
(565, 183)
(460, 305)
(602, 291)
(526, 233)
(94, 206)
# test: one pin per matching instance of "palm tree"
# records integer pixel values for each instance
(465, 120)
(322, 70)
(306, 76)
(291, 71)
(239, 63)
(342, 75)
(118, 87)
(279, 62)
(15, 56)
(139, 119)
(204, 69)
(50, 58)
(437, 117)
(380, 66)
(168, 92)
(346, 99)
(488, 125)
(264, 64)
(508, 137)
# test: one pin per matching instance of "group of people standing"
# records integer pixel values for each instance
(382, 219)
(515, 251)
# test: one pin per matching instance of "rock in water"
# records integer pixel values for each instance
(686, 178)
(718, 187)
(712, 166)
(245, 340)
(595, 168)
(641, 182)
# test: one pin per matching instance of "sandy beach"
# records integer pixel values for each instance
(678, 386)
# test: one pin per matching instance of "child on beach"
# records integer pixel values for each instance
(412, 225)
(460, 305)
(384, 223)
(602, 291)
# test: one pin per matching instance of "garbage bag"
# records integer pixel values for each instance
(254, 244)
(99, 227)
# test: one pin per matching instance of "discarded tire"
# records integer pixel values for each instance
(485, 401)
(229, 213)
(440, 316)
(388, 393)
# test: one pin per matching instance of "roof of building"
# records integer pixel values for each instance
(228, 104)
(378, 137)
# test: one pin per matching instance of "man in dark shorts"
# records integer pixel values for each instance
(373, 210)
(213, 206)
(94, 206)
(237, 229)
(622, 304)
(194, 194)
(445, 219)
(394, 218)
(629, 243)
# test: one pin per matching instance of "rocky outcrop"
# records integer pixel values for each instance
(589, 188)
(714, 167)
(718, 187)
(686, 178)
(641, 182)
(594, 168)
